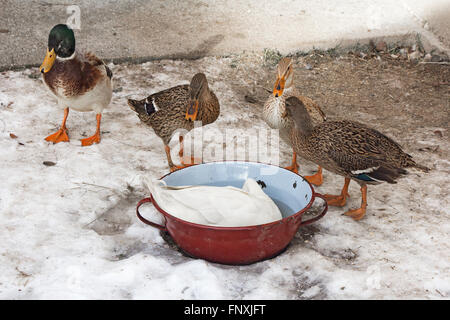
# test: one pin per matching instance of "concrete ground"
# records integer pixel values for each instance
(138, 30)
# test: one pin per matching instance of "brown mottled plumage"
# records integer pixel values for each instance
(350, 149)
(274, 111)
(165, 111)
(76, 76)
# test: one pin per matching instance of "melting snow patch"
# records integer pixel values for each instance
(69, 231)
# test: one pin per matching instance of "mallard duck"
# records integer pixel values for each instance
(177, 108)
(79, 81)
(274, 112)
(350, 149)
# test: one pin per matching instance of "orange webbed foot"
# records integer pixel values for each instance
(356, 214)
(339, 200)
(293, 168)
(61, 134)
(315, 179)
(192, 161)
(96, 137)
(182, 157)
(91, 140)
(58, 136)
(175, 168)
(184, 165)
(336, 200)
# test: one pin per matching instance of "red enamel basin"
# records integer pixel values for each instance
(239, 245)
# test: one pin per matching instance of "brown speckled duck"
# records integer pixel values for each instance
(78, 81)
(274, 112)
(178, 108)
(349, 149)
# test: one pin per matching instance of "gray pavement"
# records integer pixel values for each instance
(141, 30)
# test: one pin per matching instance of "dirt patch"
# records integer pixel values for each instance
(116, 219)
(378, 89)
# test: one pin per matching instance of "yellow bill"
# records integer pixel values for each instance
(49, 60)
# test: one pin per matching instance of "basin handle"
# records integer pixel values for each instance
(153, 224)
(325, 209)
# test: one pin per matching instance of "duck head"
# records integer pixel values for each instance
(61, 44)
(197, 92)
(285, 77)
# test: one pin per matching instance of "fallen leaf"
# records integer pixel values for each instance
(438, 133)
(49, 163)
(429, 149)
(13, 136)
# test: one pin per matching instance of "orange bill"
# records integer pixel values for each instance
(192, 111)
(279, 87)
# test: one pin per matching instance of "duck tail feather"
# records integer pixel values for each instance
(383, 173)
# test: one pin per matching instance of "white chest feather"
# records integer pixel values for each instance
(94, 100)
(273, 112)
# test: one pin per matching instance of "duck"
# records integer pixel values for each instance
(350, 149)
(78, 81)
(221, 206)
(275, 115)
(177, 109)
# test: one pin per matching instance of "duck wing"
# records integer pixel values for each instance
(94, 61)
(164, 111)
(365, 168)
(361, 152)
(168, 100)
(173, 98)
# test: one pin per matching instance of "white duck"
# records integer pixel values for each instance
(216, 206)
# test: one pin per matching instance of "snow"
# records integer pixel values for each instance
(69, 231)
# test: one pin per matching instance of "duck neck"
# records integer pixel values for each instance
(62, 59)
(303, 123)
(305, 129)
(208, 111)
